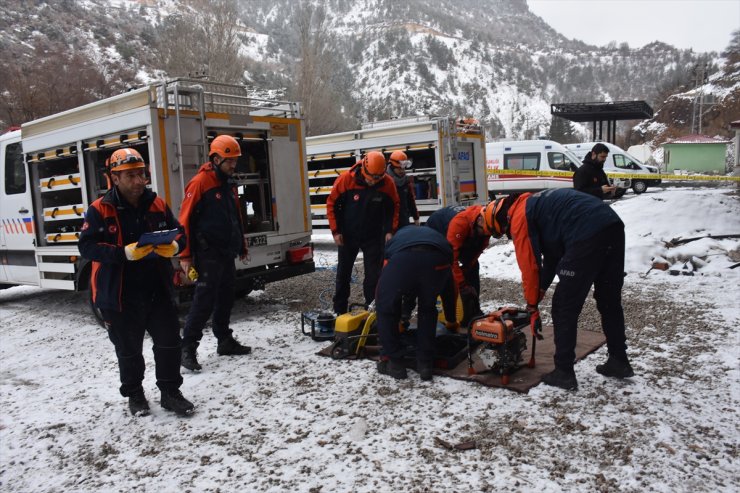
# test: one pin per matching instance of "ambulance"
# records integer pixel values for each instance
(54, 167)
(448, 161)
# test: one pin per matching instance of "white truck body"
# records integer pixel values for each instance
(60, 161)
(448, 161)
(620, 161)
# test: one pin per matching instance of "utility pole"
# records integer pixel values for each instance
(701, 77)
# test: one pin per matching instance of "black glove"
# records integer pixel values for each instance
(535, 323)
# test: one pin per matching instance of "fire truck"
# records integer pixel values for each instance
(55, 166)
(448, 161)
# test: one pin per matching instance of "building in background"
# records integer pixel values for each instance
(696, 153)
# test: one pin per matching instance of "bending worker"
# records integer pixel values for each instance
(363, 214)
(468, 235)
(215, 231)
(417, 266)
(132, 285)
(581, 239)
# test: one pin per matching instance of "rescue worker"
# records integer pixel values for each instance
(398, 163)
(590, 177)
(363, 214)
(581, 239)
(417, 265)
(468, 236)
(215, 231)
(132, 285)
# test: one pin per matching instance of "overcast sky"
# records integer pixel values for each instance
(704, 25)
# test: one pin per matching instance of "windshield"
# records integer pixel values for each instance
(573, 158)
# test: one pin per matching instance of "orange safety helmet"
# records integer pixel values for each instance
(399, 159)
(373, 166)
(125, 158)
(491, 224)
(225, 146)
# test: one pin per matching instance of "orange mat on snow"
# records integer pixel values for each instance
(524, 378)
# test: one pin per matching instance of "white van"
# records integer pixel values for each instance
(620, 161)
(531, 155)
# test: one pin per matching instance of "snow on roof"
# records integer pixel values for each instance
(735, 124)
(697, 139)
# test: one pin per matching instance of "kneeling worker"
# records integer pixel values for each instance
(417, 265)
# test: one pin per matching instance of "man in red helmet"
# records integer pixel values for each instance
(215, 230)
(132, 285)
(363, 214)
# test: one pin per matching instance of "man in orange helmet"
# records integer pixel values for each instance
(467, 233)
(214, 225)
(580, 239)
(132, 285)
(398, 163)
(363, 214)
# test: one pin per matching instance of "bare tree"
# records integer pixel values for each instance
(203, 39)
(53, 79)
(315, 72)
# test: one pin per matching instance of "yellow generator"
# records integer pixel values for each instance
(352, 330)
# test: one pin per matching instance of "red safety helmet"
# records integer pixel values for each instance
(373, 166)
(225, 146)
(125, 158)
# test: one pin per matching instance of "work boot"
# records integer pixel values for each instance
(138, 404)
(616, 368)
(393, 368)
(564, 379)
(425, 369)
(189, 358)
(230, 346)
(172, 400)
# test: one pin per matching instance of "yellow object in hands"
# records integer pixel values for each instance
(167, 250)
(192, 274)
(137, 253)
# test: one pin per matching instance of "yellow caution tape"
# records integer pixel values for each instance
(648, 176)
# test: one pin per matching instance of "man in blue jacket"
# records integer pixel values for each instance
(418, 264)
(132, 285)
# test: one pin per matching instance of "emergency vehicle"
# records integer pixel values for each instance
(55, 166)
(534, 165)
(448, 160)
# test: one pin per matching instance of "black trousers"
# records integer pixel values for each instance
(372, 253)
(157, 316)
(598, 261)
(416, 273)
(214, 294)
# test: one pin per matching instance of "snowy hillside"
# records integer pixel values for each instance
(490, 59)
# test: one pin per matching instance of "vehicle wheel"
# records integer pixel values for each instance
(95, 310)
(639, 186)
(619, 192)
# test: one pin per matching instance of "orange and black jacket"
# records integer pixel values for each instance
(545, 224)
(111, 224)
(360, 212)
(211, 215)
(457, 223)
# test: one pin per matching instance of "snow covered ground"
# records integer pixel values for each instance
(284, 419)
